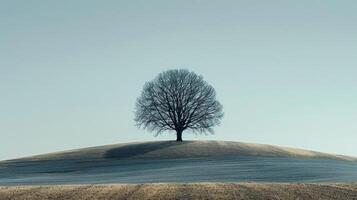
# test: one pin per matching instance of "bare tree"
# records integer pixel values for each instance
(178, 100)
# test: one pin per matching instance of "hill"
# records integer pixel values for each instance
(180, 162)
(186, 149)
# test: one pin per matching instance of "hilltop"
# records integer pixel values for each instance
(186, 149)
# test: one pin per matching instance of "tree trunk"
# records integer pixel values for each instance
(179, 135)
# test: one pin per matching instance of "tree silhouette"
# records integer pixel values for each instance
(178, 100)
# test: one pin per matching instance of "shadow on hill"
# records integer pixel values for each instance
(132, 150)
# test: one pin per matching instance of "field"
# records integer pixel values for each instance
(184, 191)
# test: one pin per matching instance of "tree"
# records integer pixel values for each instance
(178, 100)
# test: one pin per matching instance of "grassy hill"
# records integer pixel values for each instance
(186, 149)
(178, 162)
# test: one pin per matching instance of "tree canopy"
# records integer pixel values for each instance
(178, 100)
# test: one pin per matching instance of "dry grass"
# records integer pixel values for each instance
(184, 191)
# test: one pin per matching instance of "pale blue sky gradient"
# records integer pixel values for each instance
(70, 71)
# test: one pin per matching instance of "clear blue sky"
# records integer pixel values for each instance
(70, 71)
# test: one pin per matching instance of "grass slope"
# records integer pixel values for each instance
(186, 149)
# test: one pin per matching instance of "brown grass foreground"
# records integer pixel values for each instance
(183, 191)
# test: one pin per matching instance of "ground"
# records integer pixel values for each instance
(242, 191)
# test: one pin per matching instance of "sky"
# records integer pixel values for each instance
(70, 71)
